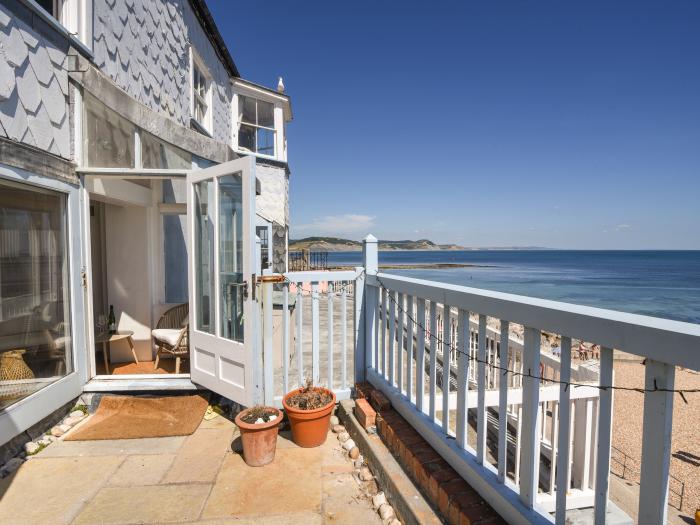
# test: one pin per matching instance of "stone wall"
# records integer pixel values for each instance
(34, 105)
(279, 248)
(144, 46)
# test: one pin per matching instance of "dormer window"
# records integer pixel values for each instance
(257, 126)
(201, 96)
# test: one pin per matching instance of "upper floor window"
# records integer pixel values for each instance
(73, 15)
(257, 125)
(201, 99)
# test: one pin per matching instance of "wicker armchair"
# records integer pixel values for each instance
(171, 334)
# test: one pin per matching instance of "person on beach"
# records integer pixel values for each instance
(582, 351)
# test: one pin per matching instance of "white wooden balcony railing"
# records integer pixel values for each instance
(531, 433)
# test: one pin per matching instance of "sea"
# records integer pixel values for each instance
(658, 283)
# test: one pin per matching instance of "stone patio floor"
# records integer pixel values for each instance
(191, 479)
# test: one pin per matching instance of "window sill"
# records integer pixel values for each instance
(195, 125)
(59, 28)
(247, 152)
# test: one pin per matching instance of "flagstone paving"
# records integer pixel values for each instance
(195, 479)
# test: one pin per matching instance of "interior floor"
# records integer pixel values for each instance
(165, 366)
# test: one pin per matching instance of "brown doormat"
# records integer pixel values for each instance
(127, 417)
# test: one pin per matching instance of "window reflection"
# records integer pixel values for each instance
(231, 256)
(35, 332)
(204, 253)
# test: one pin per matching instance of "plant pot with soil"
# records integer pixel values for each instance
(309, 411)
(259, 426)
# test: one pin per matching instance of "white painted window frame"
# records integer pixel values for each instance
(279, 103)
(257, 126)
(28, 411)
(197, 62)
(264, 223)
(76, 17)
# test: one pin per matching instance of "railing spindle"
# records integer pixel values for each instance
(553, 431)
(285, 338)
(399, 347)
(604, 424)
(481, 393)
(344, 335)
(409, 348)
(392, 336)
(446, 348)
(462, 378)
(315, 334)
(518, 443)
(530, 460)
(385, 293)
(503, 403)
(330, 336)
(433, 359)
(563, 473)
(300, 335)
(420, 355)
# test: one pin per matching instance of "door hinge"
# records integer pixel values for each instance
(83, 277)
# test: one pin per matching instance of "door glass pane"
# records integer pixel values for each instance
(231, 256)
(204, 225)
(35, 332)
(175, 258)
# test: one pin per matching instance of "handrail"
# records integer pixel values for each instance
(565, 433)
(664, 340)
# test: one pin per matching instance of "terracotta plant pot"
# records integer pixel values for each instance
(259, 439)
(309, 427)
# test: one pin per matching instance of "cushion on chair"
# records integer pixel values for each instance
(166, 335)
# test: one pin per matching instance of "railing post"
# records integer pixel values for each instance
(656, 443)
(529, 443)
(366, 297)
(268, 369)
(604, 424)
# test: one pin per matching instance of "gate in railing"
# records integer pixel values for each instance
(310, 326)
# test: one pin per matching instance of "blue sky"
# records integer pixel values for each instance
(558, 124)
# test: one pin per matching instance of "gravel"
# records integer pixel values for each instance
(628, 409)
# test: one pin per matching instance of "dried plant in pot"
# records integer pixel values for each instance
(259, 426)
(309, 411)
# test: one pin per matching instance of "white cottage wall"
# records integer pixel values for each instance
(34, 100)
(128, 278)
(273, 202)
(144, 47)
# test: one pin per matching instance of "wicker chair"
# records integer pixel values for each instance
(171, 334)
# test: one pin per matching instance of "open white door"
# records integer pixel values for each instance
(221, 229)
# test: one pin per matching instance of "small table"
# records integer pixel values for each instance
(106, 338)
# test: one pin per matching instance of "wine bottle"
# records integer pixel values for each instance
(111, 321)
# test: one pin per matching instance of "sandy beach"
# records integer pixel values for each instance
(628, 409)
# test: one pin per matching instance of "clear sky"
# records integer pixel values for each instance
(558, 124)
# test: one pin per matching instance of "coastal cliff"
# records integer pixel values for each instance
(335, 244)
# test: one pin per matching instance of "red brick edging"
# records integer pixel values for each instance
(455, 499)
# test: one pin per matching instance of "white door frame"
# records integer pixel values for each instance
(33, 408)
(126, 382)
(223, 365)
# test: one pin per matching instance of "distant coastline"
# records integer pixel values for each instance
(336, 244)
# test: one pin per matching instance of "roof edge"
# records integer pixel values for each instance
(206, 19)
